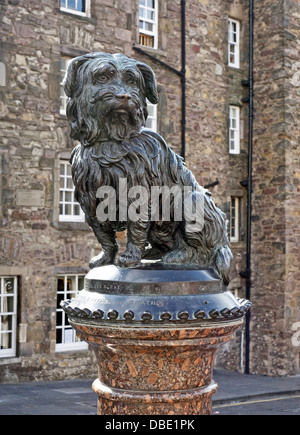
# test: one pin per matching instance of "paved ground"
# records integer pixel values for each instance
(48, 398)
(236, 386)
(238, 395)
(265, 405)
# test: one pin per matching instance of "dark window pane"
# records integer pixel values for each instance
(58, 336)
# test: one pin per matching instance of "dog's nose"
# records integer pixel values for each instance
(123, 96)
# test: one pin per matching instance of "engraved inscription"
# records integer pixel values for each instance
(30, 198)
(118, 301)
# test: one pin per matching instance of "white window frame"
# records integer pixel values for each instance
(69, 340)
(234, 219)
(234, 129)
(63, 97)
(11, 351)
(67, 189)
(151, 123)
(234, 43)
(143, 20)
(87, 12)
(235, 292)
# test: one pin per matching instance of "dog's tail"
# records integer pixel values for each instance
(223, 261)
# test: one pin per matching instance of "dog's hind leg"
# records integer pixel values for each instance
(183, 253)
(137, 234)
(185, 250)
(107, 238)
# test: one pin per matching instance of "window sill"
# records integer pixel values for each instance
(9, 360)
(63, 116)
(235, 69)
(71, 226)
(75, 15)
(70, 352)
(151, 50)
(237, 245)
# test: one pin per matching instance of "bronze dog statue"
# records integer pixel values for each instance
(107, 110)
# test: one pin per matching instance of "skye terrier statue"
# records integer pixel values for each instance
(107, 111)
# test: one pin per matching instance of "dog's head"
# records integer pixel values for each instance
(107, 96)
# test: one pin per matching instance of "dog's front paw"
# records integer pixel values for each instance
(101, 260)
(131, 257)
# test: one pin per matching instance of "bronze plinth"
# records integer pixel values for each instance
(154, 332)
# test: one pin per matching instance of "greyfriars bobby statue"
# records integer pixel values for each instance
(154, 325)
(107, 111)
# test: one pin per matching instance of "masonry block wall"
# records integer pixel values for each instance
(212, 86)
(36, 247)
(276, 200)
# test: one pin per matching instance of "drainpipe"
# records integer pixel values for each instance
(183, 78)
(181, 74)
(248, 183)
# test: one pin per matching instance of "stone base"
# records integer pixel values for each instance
(154, 332)
(190, 402)
(155, 371)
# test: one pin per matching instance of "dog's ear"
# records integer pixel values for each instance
(149, 77)
(81, 128)
(71, 82)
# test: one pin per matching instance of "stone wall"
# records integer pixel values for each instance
(292, 181)
(276, 189)
(34, 136)
(34, 245)
(212, 87)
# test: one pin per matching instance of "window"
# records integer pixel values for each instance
(63, 98)
(234, 219)
(68, 287)
(8, 316)
(151, 122)
(148, 23)
(234, 129)
(236, 292)
(69, 209)
(234, 43)
(79, 7)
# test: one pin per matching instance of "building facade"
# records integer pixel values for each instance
(45, 244)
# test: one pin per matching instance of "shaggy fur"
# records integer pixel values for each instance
(107, 109)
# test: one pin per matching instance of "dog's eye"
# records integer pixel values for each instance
(130, 80)
(103, 78)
